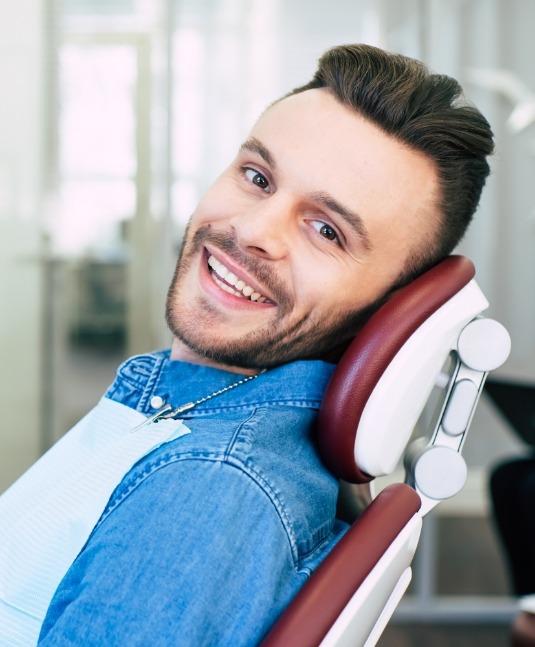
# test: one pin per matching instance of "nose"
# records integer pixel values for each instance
(265, 227)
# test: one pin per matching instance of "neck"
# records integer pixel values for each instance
(183, 353)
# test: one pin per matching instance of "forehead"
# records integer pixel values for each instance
(318, 144)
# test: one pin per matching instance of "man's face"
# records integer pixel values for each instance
(313, 221)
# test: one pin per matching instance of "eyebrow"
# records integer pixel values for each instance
(253, 145)
(353, 219)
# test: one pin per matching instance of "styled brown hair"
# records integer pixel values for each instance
(429, 113)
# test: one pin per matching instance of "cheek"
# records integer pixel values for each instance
(209, 206)
(346, 287)
(320, 288)
(205, 211)
(221, 200)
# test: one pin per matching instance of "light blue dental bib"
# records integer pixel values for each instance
(48, 514)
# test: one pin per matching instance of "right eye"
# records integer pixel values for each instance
(255, 177)
(326, 231)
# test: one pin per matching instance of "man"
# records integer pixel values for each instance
(344, 190)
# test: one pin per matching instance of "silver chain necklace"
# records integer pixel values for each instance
(167, 410)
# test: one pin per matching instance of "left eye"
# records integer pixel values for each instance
(325, 230)
(256, 178)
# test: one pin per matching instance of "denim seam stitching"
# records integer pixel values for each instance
(307, 404)
(150, 383)
(257, 479)
(233, 440)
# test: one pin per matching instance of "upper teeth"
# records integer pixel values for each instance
(242, 289)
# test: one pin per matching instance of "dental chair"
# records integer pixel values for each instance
(428, 336)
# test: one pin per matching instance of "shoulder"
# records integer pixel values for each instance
(275, 448)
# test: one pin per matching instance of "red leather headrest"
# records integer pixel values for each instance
(370, 353)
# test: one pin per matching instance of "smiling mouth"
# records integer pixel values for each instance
(229, 282)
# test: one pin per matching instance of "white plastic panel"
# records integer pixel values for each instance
(390, 607)
(400, 395)
(372, 600)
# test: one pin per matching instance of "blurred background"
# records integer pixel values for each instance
(116, 115)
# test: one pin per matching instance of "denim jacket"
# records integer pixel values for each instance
(207, 538)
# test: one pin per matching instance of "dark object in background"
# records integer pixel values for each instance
(512, 484)
(516, 401)
(512, 489)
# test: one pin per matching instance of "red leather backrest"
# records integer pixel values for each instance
(311, 614)
(369, 355)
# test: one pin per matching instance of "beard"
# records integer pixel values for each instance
(269, 345)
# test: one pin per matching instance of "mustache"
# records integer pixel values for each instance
(258, 268)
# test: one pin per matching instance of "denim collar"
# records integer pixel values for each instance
(299, 383)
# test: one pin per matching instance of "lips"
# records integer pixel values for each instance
(229, 282)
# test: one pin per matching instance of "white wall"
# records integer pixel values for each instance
(21, 136)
